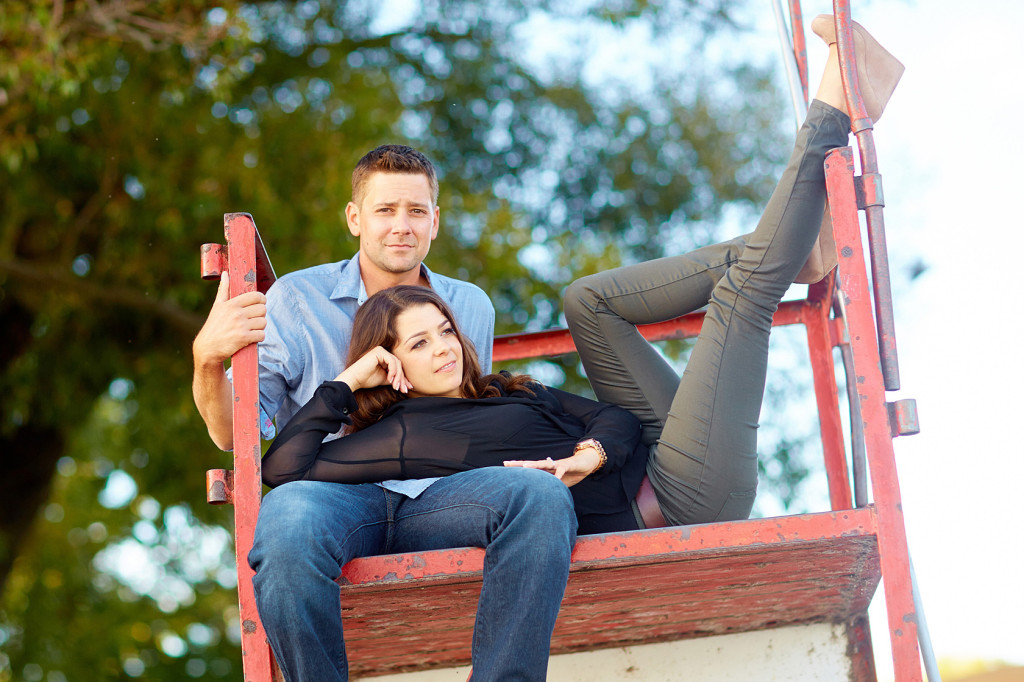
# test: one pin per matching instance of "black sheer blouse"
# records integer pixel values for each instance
(426, 437)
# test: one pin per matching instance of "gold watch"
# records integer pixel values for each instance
(596, 444)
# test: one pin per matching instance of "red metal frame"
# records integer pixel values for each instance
(870, 187)
(247, 483)
(660, 584)
(878, 428)
(796, 19)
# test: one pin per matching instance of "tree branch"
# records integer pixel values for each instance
(130, 21)
(186, 321)
(91, 209)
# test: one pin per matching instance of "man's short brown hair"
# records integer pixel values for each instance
(392, 158)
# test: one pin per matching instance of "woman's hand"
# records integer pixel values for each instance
(569, 471)
(377, 367)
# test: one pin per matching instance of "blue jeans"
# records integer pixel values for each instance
(308, 530)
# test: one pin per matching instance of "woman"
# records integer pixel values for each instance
(700, 431)
(405, 345)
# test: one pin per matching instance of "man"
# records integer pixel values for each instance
(308, 530)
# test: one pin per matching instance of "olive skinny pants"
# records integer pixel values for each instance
(702, 428)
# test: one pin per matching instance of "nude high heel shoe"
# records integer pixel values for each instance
(877, 70)
(878, 73)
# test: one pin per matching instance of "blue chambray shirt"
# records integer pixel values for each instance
(309, 328)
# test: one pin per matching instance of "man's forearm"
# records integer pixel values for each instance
(212, 393)
(233, 323)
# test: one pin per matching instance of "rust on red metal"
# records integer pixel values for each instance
(799, 42)
(213, 260)
(248, 485)
(467, 562)
(624, 588)
(559, 341)
(826, 394)
(903, 417)
(892, 537)
(869, 190)
(263, 274)
(859, 650)
(880, 279)
(219, 486)
(837, 332)
(862, 127)
(848, 67)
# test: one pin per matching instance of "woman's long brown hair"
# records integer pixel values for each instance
(374, 325)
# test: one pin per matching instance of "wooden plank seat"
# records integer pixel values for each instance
(624, 589)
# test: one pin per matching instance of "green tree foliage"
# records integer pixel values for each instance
(128, 128)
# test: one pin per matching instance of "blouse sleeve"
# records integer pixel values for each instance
(300, 453)
(616, 429)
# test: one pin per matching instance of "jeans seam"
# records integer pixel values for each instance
(456, 506)
(389, 518)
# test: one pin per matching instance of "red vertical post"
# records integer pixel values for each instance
(823, 369)
(240, 231)
(892, 537)
(819, 339)
(799, 42)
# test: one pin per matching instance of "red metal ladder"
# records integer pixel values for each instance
(415, 611)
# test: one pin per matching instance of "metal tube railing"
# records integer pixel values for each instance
(870, 196)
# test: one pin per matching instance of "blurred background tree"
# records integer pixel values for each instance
(127, 128)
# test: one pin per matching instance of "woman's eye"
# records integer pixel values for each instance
(418, 344)
(447, 331)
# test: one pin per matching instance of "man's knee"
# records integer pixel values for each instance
(541, 498)
(283, 526)
(287, 510)
(294, 526)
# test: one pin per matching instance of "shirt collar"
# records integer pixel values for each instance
(350, 282)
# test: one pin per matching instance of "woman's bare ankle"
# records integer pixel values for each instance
(830, 90)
